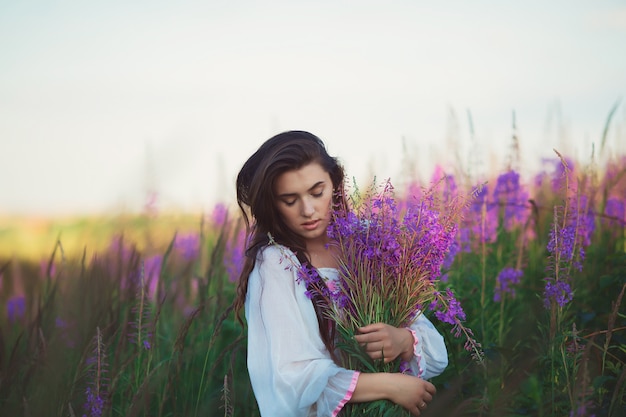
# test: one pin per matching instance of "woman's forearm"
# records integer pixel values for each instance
(371, 387)
(408, 391)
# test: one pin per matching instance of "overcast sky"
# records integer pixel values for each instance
(101, 102)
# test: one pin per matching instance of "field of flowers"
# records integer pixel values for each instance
(143, 325)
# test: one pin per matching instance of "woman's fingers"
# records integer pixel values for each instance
(371, 336)
(411, 392)
(370, 342)
(383, 340)
(430, 391)
(423, 403)
(371, 327)
(377, 350)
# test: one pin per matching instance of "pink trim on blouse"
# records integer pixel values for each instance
(415, 340)
(420, 371)
(348, 395)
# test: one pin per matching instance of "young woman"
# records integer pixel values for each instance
(287, 188)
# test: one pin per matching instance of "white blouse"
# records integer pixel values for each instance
(291, 371)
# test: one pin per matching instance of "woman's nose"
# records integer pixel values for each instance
(307, 208)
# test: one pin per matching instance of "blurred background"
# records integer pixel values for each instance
(123, 125)
(111, 106)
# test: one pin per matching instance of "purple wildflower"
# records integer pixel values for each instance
(509, 193)
(405, 368)
(447, 308)
(334, 293)
(615, 212)
(562, 241)
(16, 308)
(234, 256)
(455, 248)
(97, 368)
(188, 245)
(375, 236)
(449, 258)
(570, 236)
(464, 240)
(614, 180)
(506, 280)
(415, 190)
(433, 246)
(539, 179)
(482, 217)
(219, 216)
(562, 173)
(311, 278)
(450, 189)
(438, 174)
(586, 219)
(152, 273)
(567, 236)
(94, 405)
(557, 291)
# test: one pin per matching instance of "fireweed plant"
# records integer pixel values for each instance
(390, 260)
(570, 234)
(97, 367)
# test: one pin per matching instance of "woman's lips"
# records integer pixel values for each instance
(311, 225)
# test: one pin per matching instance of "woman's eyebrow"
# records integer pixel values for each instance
(317, 184)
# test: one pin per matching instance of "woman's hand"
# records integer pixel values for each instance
(381, 340)
(408, 391)
(411, 392)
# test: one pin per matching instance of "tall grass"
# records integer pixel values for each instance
(115, 336)
(149, 331)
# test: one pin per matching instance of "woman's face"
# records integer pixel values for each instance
(303, 199)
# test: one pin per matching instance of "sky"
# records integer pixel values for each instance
(103, 104)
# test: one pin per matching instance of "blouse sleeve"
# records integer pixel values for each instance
(291, 371)
(430, 356)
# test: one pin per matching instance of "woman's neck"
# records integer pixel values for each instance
(322, 254)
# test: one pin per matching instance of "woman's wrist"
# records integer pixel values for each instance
(373, 386)
(387, 384)
(411, 341)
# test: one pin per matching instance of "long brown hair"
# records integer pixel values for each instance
(284, 152)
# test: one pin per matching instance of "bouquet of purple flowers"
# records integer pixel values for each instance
(390, 256)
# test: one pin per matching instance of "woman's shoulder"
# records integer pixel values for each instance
(276, 263)
(277, 253)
